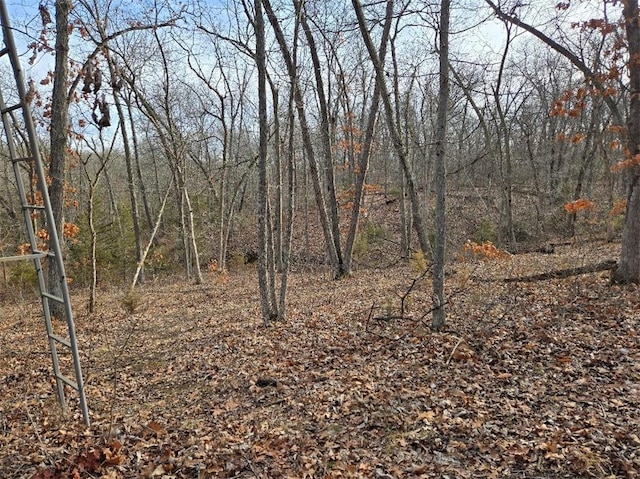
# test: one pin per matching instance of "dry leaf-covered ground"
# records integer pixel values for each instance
(529, 380)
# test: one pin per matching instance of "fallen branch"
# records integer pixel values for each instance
(153, 235)
(543, 249)
(454, 350)
(564, 273)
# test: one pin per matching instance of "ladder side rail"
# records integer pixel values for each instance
(8, 128)
(54, 243)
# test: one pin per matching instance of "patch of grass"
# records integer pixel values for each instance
(131, 302)
(24, 277)
(369, 233)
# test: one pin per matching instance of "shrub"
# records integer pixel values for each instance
(131, 302)
(485, 232)
(369, 233)
(360, 245)
(115, 248)
(236, 261)
(23, 276)
(418, 262)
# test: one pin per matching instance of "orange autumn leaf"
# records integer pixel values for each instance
(625, 164)
(577, 138)
(618, 208)
(580, 204)
(485, 251)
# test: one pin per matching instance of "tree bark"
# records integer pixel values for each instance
(265, 279)
(192, 237)
(277, 157)
(340, 269)
(131, 181)
(504, 153)
(288, 234)
(136, 156)
(628, 270)
(440, 174)
(59, 137)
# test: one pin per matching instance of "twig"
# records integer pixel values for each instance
(116, 372)
(454, 350)
(35, 430)
(250, 464)
(373, 306)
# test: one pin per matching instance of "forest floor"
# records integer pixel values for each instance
(528, 379)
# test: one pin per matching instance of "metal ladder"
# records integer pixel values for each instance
(22, 144)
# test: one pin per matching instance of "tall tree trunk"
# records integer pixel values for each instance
(325, 135)
(131, 181)
(136, 155)
(504, 154)
(192, 237)
(277, 156)
(224, 222)
(393, 125)
(440, 177)
(58, 138)
(93, 233)
(327, 226)
(365, 154)
(93, 286)
(265, 280)
(405, 221)
(182, 221)
(288, 234)
(628, 270)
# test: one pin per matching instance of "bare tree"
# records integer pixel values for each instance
(440, 173)
(393, 126)
(58, 137)
(324, 211)
(364, 157)
(266, 278)
(102, 154)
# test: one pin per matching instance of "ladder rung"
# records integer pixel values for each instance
(68, 381)
(23, 257)
(60, 339)
(52, 297)
(11, 108)
(24, 158)
(32, 207)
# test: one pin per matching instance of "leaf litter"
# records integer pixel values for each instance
(528, 380)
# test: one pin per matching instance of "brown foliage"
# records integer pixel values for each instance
(530, 380)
